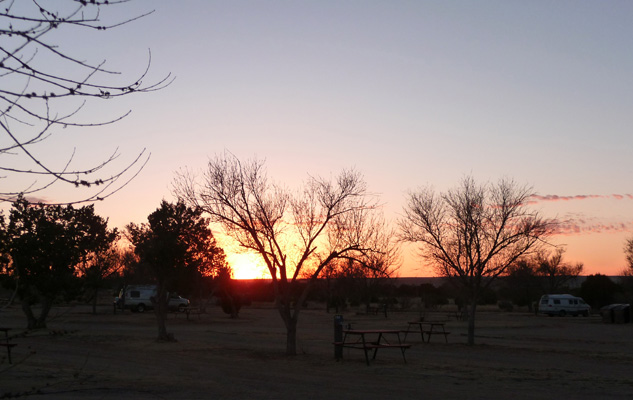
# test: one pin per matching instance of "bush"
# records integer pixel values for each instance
(231, 305)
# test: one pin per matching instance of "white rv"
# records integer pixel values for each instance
(563, 304)
(138, 298)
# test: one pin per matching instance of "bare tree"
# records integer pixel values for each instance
(628, 253)
(472, 233)
(380, 266)
(43, 87)
(556, 272)
(361, 280)
(626, 278)
(292, 232)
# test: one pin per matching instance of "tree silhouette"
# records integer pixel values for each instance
(177, 245)
(44, 87)
(296, 234)
(523, 285)
(599, 290)
(555, 271)
(100, 265)
(361, 281)
(628, 253)
(473, 233)
(45, 244)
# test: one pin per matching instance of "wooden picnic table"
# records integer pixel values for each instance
(188, 311)
(373, 339)
(192, 310)
(429, 327)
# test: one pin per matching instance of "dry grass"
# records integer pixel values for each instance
(517, 355)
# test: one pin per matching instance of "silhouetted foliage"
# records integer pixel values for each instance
(541, 273)
(522, 284)
(432, 296)
(556, 272)
(46, 244)
(599, 290)
(133, 270)
(226, 291)
(178, 247)
(98, 267)
(349, 281)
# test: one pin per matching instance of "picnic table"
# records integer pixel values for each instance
(373, 339)
(7, 344)
(429, 327)
(188, 311)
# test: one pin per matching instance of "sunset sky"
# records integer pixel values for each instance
(410, 93)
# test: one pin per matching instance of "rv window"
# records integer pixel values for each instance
(135, 293)
(544, 301)
(556, 301)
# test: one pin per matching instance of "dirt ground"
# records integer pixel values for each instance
(517, 355)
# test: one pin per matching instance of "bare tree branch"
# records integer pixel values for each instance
(31, 88)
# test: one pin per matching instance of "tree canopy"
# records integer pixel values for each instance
(178, 246)
(45, 244)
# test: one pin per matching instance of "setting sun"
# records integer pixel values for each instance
(247, 266)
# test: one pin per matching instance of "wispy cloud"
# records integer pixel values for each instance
(580, 223)
(555, 197)
(567, 228)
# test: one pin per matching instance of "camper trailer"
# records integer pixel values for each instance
(563, 304)
(138, 298)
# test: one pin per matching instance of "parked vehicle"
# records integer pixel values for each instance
(138, 298)
(177, 303)
(563, 304)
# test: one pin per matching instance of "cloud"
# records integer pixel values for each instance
(581, 224)
(578, 225)
(554, 197)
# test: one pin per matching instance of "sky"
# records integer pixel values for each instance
(410, 93)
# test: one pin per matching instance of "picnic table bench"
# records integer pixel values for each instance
(373, 339)
(7, 344)
(429, 328)
(192, 310)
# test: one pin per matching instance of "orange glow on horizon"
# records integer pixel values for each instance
(247, 266)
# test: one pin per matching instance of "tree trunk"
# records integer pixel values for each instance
(31, 321)
(13, 295)
(94, 301)
(160, 309)
(291, 339)
(471, 323)
(34, 322)
(290, 321)
(46, 307)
